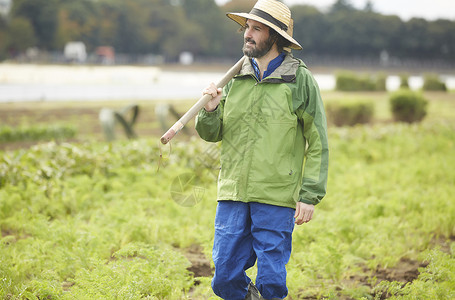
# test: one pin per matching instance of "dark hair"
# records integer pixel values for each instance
(280, 41)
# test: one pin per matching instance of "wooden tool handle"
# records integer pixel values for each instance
(193, 111)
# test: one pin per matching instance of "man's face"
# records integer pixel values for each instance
(257, 40)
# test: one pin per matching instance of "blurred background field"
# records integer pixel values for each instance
(83, 116)
(88, 216)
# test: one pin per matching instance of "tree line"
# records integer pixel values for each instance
(169, 27)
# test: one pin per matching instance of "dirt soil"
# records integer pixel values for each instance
(405, 271)
(200, 264)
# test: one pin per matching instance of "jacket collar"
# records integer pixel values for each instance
(286, 72)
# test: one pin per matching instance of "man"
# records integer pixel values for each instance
(274, 155)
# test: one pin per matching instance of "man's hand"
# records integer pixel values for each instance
(216, 94)
(303, 213)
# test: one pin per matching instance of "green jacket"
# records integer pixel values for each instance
(274, 137)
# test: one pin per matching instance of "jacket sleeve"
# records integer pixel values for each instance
(311, 113)
(209, 125)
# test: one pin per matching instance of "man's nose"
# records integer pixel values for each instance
(247, 33)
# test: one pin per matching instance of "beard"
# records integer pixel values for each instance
(257, 50)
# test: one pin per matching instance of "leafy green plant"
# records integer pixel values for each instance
(346, 112)
(142, 271)
(380, 82)
(404, 81)
(97, 220)
(431, 82)
(437, 281)
(36, 133)
(408, 106)
(349, 81)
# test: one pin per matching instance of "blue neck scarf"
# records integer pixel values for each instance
(273, 64)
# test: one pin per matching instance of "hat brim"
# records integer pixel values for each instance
(241, 18)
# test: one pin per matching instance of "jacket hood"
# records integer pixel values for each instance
(285, 72)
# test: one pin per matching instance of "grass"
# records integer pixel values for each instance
(96, 220)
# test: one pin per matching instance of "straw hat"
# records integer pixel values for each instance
(272, 13)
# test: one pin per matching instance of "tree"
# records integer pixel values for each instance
(3, 37)
(42, 15)
(442, 37)
(131, 29)
(78, 22)
(341, 5)
(168, 27)
(22, 31)
(238, 5)
(393, 34)
(310, 28)
(166, 23)
(369, 7)
(209, 18)
(415, 40)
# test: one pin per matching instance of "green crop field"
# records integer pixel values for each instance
(82, 218)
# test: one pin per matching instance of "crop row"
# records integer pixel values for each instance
(100, 221)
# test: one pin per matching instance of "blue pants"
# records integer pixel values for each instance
(245, 232)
